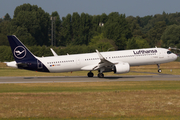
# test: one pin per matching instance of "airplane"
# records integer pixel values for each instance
(116, 61)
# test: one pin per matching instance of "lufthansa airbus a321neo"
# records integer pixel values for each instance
(116, 61)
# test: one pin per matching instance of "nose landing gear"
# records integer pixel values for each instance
(159, 70)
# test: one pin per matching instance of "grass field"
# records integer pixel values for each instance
(101, 100)
(148, 100)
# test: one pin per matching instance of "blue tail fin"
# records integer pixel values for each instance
(23, 57)
(19, 50)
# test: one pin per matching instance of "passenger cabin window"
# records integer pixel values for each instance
(169, 52)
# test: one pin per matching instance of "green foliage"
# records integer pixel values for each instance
(24, 36)
(5, 54)
(5, 29)
(67, 29)
(7, 17)
(85, 27)
(1, 20)
(142, 43)
(171, 36)
(134, 26)
(81, 33)
(155, 33)
(131, 44)
(136, 43)
(3, 40)
(75, 26)
(117, 29)
(101, 43)
(144, 20)
(41, 51)
(35, 20)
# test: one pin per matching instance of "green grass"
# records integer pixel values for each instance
(90, 87)
(11, 72)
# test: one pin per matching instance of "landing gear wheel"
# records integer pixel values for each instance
(100, 75)
(159, 70)
(90, 74)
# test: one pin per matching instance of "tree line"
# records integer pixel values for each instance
(79, 33)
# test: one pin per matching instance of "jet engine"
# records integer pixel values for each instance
(121, 68)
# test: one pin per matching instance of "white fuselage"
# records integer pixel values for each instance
(134, 57)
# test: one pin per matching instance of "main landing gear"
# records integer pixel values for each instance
(90, 74)
(100, 75)
(159, 70)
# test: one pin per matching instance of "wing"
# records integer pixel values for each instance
(104, 63)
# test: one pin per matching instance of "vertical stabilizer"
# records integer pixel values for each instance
(19, 50)
(23, 57)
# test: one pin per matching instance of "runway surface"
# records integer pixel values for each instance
(86, 79)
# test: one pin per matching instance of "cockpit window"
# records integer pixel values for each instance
(169, 52)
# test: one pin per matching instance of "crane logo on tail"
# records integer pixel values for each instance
(19, 52)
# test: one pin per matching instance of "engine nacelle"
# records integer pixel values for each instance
(121, 68)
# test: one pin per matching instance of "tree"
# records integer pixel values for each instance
(25, 37)
(171, 36)
(67, 30)
(98, 22)
(5, 29)
(96, 19)
(103, 18)
(134, 26)
(137, 42)
(102, 43)
(1, 20)
(85, 26)
(131, 44)
(7, 17)
(143, 21)
(35, 20)
(76, 22)
(3, 40)
(154, 34)
(117, 29)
